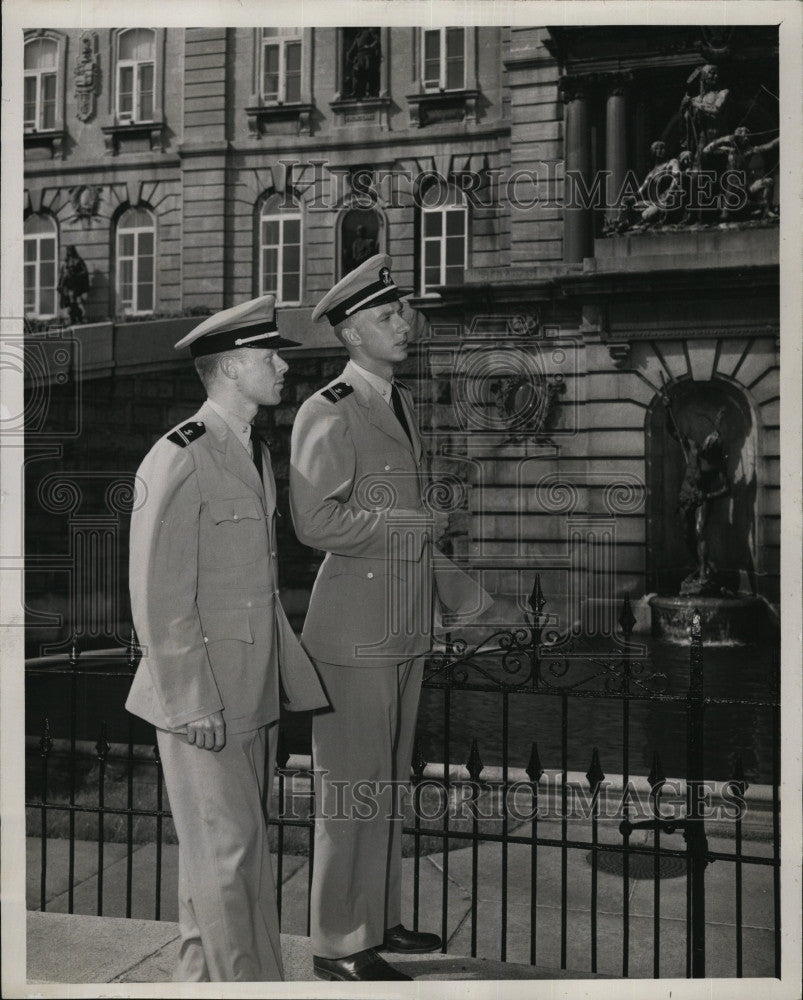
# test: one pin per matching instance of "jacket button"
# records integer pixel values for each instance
(205, 639)
(273, 555)
(370, 576)
(236, 517)
(387, 468)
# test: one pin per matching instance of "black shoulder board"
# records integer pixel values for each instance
(183, 435)
(337, 392)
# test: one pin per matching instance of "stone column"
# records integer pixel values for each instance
(616, 136)
(641, 133)
(577, 217)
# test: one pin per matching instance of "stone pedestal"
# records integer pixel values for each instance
(725, 620)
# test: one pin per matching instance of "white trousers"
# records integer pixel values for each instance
(227, 901)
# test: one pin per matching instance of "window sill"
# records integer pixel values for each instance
(261, 116)
(147, 134)
(53, 141)
(431, 107)
(366, 111)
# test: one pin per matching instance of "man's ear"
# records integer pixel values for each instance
(351, 336)
(228, 367)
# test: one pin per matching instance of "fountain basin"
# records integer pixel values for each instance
(725, 620)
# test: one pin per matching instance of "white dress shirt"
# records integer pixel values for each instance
(382, 386)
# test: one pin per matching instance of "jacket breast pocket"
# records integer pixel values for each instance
(237, 534)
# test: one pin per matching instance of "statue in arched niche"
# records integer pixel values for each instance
(362, 64)
(73, 286)
(705, 480)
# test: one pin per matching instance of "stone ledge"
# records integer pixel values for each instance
(65, 948)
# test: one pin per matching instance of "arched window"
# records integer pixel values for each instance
(444, 236)
(280, 250)
(41, 84)
(40, 266)
(136, 239)
(136, 62)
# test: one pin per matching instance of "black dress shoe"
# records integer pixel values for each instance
(405, 942)
(364, 966)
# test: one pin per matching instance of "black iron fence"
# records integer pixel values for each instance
(496, 850)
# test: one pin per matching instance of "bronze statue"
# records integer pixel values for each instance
(704, 114)
(362, 60)
(740, 151)
(659, 196)
(704, 481)
(73, 286)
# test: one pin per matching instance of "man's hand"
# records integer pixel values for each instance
(208, 733)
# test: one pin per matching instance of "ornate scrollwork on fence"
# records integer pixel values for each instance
(525, 658)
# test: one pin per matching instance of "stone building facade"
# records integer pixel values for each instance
(195, 168)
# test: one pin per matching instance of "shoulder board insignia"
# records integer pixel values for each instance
(337, 392)
(182, 436)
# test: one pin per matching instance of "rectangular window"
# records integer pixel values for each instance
(29, 115)
(443, 59)
(444, 242)
(280, 270)
(135, 91)
(281, 70)
(40, 102)
(39, 275)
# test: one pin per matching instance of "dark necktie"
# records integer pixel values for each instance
(398, 409)
(256, 445)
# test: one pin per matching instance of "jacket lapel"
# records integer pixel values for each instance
(379, 412)
(412, 423)
(235, 457)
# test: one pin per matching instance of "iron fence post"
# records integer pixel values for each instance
(696, 841)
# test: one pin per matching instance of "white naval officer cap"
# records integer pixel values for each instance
(249, 324)
(368, 285)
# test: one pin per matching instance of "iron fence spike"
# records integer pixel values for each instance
(45, 743)
(656, 775)
(419, 760)
(534, 769)
(536, 599)
(102, 746)
(738, 782)
(627, 619)
(73, 650)
(595, 775)
(474, 764)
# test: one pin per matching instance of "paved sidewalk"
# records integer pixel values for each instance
(145, 948)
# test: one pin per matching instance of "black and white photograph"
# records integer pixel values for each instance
(400, 522)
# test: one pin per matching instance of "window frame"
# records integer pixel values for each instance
(281, 42)
(136, 65)
(38, 76)
(119, 258)
(441, 86)
(269, 214)
(424, 240)
(37, 239)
